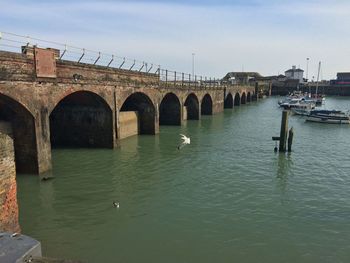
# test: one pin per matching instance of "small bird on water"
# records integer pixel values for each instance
(116, 204)
(185, 140)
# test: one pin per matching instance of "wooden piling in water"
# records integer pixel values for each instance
(290, 139)
(283, 134)
(284, 131)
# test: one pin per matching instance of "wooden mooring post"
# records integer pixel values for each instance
(284, 134)
(290, 139)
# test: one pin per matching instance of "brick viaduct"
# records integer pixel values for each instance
(82, 105)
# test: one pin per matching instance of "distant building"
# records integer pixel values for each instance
(340, 85)
(343, 78)
(241, 77)
(281, 77)
(295, 74)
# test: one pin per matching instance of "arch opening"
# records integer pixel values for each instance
(18, 123)
(192, 107)
(243, 98)
(237, 101)
(228, 103)
(82, 119)
(142, 104)
(249, 97)
(207, 105)
(170, 110)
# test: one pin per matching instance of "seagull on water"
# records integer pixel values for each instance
(185, 140)
(116, 204)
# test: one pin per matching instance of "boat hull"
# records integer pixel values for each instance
(328, 120)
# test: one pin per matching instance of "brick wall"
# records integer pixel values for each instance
(8, 186)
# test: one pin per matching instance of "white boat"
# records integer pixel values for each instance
(301, 111)
(329, 116)
(298, 103)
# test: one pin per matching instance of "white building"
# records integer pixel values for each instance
(295, 73)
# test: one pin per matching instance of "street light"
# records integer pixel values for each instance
(193, 54)
(307, 69)
(307, 73)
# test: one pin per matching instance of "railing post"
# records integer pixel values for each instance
(195, 80)
(182, 81)
(175, 78)
(166, 77)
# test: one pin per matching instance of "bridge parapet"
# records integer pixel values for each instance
(80, 65)
(21, 67)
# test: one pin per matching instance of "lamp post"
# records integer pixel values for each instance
(193, 54)
(307, 72)
(307, 69)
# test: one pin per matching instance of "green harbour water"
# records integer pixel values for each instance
(226, 197)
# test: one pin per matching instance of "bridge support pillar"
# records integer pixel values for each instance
(156, 120)
(183, 113)
(43, 144)
(256, 92)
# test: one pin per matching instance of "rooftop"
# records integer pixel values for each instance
(241, 75)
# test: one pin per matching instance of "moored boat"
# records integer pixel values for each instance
(329, 116)
(299, 103)
(301, 111)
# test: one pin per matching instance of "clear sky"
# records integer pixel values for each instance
(254, 35)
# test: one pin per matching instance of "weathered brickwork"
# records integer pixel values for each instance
(8, 187)
(81, 105)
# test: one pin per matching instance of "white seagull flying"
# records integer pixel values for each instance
(185, 140)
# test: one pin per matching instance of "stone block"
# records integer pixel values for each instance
(129, 124)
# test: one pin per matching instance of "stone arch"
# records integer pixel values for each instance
(146, 114)
(243, 98)
(249, 97)
(228, 103)
(192, 107)
(207, 105)
(237, 101)
(82, 119)
(170, 110)
(19, 123)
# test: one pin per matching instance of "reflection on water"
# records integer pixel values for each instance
(225, 197)
(285, 165)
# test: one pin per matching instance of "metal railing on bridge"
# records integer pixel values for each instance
(179, 79)
(13, 43)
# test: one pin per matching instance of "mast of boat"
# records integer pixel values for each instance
(318, 76)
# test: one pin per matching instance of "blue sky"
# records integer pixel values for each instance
(264, 36)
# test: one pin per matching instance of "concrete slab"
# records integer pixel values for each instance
(16, 248)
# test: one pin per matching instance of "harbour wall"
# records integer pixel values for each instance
(8, 186)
